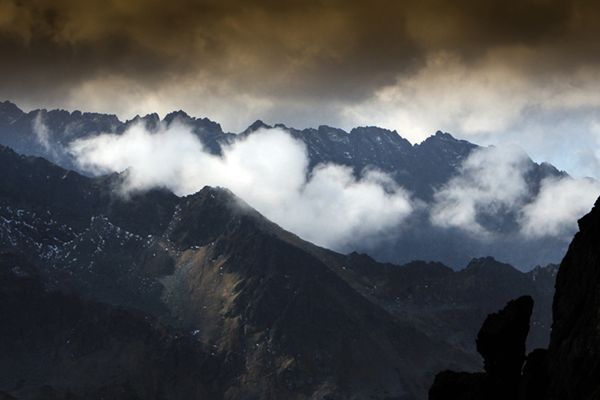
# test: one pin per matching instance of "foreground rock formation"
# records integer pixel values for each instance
(570, 368)
(574, 352)
(501, 343)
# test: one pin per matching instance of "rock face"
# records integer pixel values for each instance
(60, 346)
(570, 368)
(574, 352)
(501, 343)
(535, 378)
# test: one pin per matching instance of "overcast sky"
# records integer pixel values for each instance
(525, 72)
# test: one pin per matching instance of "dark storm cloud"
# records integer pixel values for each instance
(332, 48)
(469, 66)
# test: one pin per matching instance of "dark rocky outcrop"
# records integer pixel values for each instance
(574, 352)
(501, 343)
(451, 385)
(535, 378)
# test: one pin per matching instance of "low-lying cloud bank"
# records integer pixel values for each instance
(559, 204)
(268, 169)
(330, 206)
(491, 182)
(493, 187)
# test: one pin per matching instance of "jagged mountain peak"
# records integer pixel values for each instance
(7, 104)
(196, 123)
(443, 139)
(488, 265)
(329, 130)
(148, 117)
(443, 135)
(256, 125)
(179, 114)
(10, 111)
(372, 130)
(152, 116)
(216, 196)
(383, 137)
(202, 217)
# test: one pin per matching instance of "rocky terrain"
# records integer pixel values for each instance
(60, 346)
(574, 351)
(260, 312)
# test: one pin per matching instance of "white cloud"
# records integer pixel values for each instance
(41, 132)
(329, 205)
(160, 159)
(220, 102)
(560, 203)
(495, 99)
(490, 181)
(492, 95)
(268, 169)
(448, 94)
(492, 184)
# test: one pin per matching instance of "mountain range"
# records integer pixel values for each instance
(159, 296)
(421, 169)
